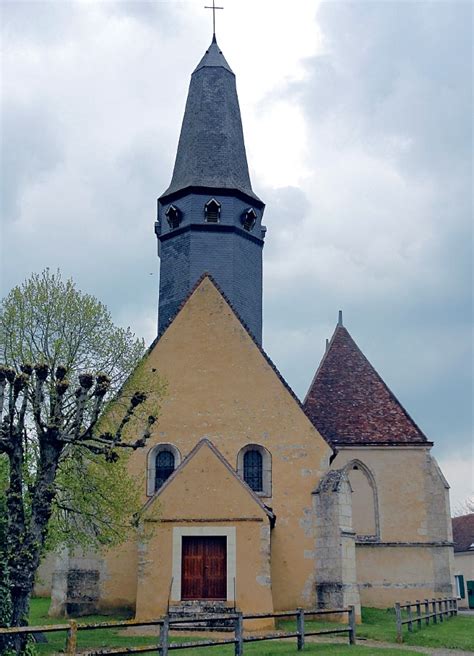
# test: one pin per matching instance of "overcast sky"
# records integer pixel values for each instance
(357, 119)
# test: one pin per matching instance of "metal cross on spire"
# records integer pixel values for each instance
(213, 16)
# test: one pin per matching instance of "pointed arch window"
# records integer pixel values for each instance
(212, 211)
(365, 510)
(249, 218)
(173, 216)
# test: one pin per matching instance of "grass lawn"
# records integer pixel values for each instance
(377, 625)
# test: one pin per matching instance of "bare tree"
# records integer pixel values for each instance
(37, 413)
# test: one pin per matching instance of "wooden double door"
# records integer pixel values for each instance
(204, 568)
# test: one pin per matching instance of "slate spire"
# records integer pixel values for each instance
(211, 150)
(209, 220)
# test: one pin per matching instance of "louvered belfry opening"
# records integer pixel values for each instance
(204, 568)
(164, 467)
(212, 211)
(253, 470)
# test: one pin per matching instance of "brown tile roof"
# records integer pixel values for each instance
(463, 532)
(349, 403)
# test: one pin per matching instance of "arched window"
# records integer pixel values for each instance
(212, 211)
(253, 470)
(163, 459)
(164, 467)
(254, 465)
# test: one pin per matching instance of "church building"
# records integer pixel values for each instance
(253, 499)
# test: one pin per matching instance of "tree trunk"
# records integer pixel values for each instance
(27, 536)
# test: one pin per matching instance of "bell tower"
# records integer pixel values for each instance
(209, 219)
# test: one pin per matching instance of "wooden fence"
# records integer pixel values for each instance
(165, 644)
(441, 609)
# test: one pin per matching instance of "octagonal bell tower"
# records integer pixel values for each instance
(209, 219)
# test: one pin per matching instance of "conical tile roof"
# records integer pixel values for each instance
(349, 403)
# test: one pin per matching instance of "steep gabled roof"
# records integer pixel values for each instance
(349, 403)
(205, 443)
(463, 533)
(239, 318)
(211, 151)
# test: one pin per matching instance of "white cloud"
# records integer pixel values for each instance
(357, 123)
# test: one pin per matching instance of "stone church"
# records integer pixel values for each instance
(254, 499)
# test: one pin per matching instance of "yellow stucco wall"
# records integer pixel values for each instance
(221, 387)
(464, 565)
(413, 510)
(193, 503)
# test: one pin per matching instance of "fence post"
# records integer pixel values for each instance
(398, 614)
(164, 636)
(435, 617)
(352, 625)
(410, 617)
(71, 638)
(427, 612)
(300, 628)
(455, 606)
(440, 608)
(239, 634)
(418, 614)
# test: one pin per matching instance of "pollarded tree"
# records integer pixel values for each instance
(48, 320)
(38, 412)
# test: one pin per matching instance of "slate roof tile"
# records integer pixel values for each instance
(211, 149)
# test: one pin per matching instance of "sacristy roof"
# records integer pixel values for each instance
(349, 403)
(463, 533)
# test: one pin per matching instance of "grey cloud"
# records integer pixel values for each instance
(41, 23)
(388, 233)
(31, 148)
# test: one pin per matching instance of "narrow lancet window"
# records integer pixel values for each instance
(164, 467)
(253, 470)
(212, 211)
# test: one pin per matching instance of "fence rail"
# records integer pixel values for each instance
(441, 609)
(165, 624)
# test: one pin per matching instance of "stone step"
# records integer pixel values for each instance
(197, 609)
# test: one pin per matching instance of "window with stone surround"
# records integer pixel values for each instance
(163, 459)
(254, 466)
(365, 514)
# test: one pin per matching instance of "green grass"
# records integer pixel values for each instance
(379, 624)
(456, 633)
